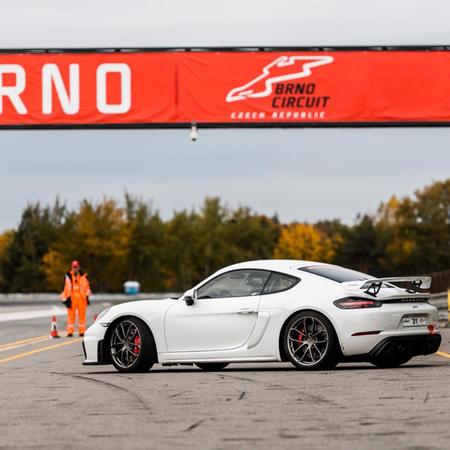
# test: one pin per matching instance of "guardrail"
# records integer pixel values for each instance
(49, 298)
(442, 303)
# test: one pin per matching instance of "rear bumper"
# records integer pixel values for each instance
(413, 345)
(404, 345)
(386, 320)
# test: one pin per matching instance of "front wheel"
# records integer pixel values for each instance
(211, 366)
(310, 342)
(131, 346)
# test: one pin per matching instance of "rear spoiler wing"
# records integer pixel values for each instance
(372, 287)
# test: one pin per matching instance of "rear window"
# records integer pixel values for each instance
(336, 273)
(278, 282)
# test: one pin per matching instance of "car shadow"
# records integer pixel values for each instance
(339, 368)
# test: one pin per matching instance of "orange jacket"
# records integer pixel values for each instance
(76, 286)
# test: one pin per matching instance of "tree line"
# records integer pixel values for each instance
(123, 241)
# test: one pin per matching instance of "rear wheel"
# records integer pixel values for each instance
(211, 366)
(310, 342)
(131, 346)
(387, 362)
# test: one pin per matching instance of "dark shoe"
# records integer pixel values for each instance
(81, 335)
(69, 334)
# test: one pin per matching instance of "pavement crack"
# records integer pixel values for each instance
(242, 395)
(222, 376)
(242, 439)
(316, 398)
(178, 394)
(112, 385)
(194, 425)
(283, 433)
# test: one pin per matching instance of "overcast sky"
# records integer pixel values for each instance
(88, 23)
(303, 174)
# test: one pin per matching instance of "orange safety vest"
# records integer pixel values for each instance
(76, 286)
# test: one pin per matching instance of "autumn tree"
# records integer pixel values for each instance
(420, 235)
(5, 241)
(182, 267)
(304, 241)
(335, 230)
(250, 236)
(115, 243)
(146, 233)
(97, 235)
(22, 260)
(361, 247)
(209, 230)
(199, 243)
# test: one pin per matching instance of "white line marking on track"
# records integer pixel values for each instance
(36, 314)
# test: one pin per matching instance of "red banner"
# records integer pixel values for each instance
(164, 88)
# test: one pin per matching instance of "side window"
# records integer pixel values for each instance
(237, 283)
(279, 282)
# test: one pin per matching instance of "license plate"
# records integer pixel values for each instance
(420, 321)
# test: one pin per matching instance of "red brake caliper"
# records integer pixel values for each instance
(137, 341)
(301, 335)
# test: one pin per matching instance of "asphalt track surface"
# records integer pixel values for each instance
(49, 400)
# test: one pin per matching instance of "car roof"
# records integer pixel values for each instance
(282, 265)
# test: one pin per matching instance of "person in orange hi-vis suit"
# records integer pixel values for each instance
(76, 298)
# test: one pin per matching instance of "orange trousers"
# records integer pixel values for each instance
(79, 305)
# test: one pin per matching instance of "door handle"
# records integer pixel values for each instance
(246, 311)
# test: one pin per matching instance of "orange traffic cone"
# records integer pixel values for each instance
(53, 330)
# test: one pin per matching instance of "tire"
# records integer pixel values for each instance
(131, 346)
(310, 342)
(390, 362)
(211, 366)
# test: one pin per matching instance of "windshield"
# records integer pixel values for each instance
(336, 273)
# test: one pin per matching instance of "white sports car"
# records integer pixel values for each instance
(312, 314)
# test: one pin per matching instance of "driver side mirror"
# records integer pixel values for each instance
(190, 298)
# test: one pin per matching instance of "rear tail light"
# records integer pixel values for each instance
(357, 303)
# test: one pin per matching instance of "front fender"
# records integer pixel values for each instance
(151, 312)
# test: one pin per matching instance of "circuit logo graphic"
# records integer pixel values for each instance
(284, 68)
